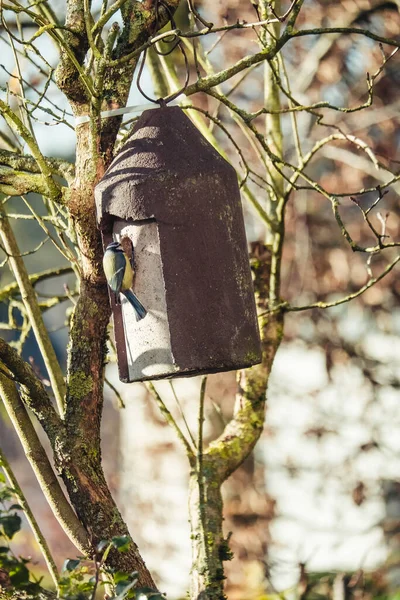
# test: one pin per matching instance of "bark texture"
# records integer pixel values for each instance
(209, 548)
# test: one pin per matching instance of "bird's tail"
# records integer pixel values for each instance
(140, 311)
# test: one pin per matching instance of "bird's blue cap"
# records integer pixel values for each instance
(113, 246)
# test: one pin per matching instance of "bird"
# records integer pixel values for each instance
(119, 275)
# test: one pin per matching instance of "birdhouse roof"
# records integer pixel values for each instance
(164, 160)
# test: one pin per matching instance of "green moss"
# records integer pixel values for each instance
(213, 484)
(251, 357)
(210, 541)
(92, 308)
(80, 385)
(93, 453)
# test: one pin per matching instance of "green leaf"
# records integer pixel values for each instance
(11, 524)
(2, 478)
(71, 564)
(122, 589)
(5, 494)
(121, 542)
(122, 586)
(15, 507)
(119, 576)
(4, 549)
(19, 575)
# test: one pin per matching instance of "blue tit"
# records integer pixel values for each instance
(119, 275)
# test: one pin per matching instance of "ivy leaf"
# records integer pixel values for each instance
(121, 586)
(11, 524)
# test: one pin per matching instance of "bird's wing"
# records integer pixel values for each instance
(115, 278)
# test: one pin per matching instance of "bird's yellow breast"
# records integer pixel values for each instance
(128, 275)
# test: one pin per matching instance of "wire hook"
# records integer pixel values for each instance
(178, 43)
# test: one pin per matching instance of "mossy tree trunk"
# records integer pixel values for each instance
(74, 432)
(78, 460)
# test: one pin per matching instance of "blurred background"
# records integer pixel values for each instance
(315, 512)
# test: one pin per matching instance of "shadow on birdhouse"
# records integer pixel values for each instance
(171, 197)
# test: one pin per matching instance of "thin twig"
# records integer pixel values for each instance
(200, 470)
(121, 403)
(182, 413)
(170, 419)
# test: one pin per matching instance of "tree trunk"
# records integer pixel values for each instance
(209, 548)
(225, 454)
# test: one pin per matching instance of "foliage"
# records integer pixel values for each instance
(13, 569)
(80, 578)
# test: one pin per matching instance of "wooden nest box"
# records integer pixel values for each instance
(170, 195)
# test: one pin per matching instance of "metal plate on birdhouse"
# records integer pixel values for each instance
(177, 200)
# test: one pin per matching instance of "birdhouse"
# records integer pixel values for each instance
(174, 204)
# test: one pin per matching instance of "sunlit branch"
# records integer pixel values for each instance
(177, 33)
(106, 16)
(12, 289)
(40, 463)
(64, 249)
(31, 306)
(26, 163)
(345, 31)
(57, 34)
(53, 190)
(297, 106)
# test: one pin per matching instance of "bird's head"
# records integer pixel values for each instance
(115, 247)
